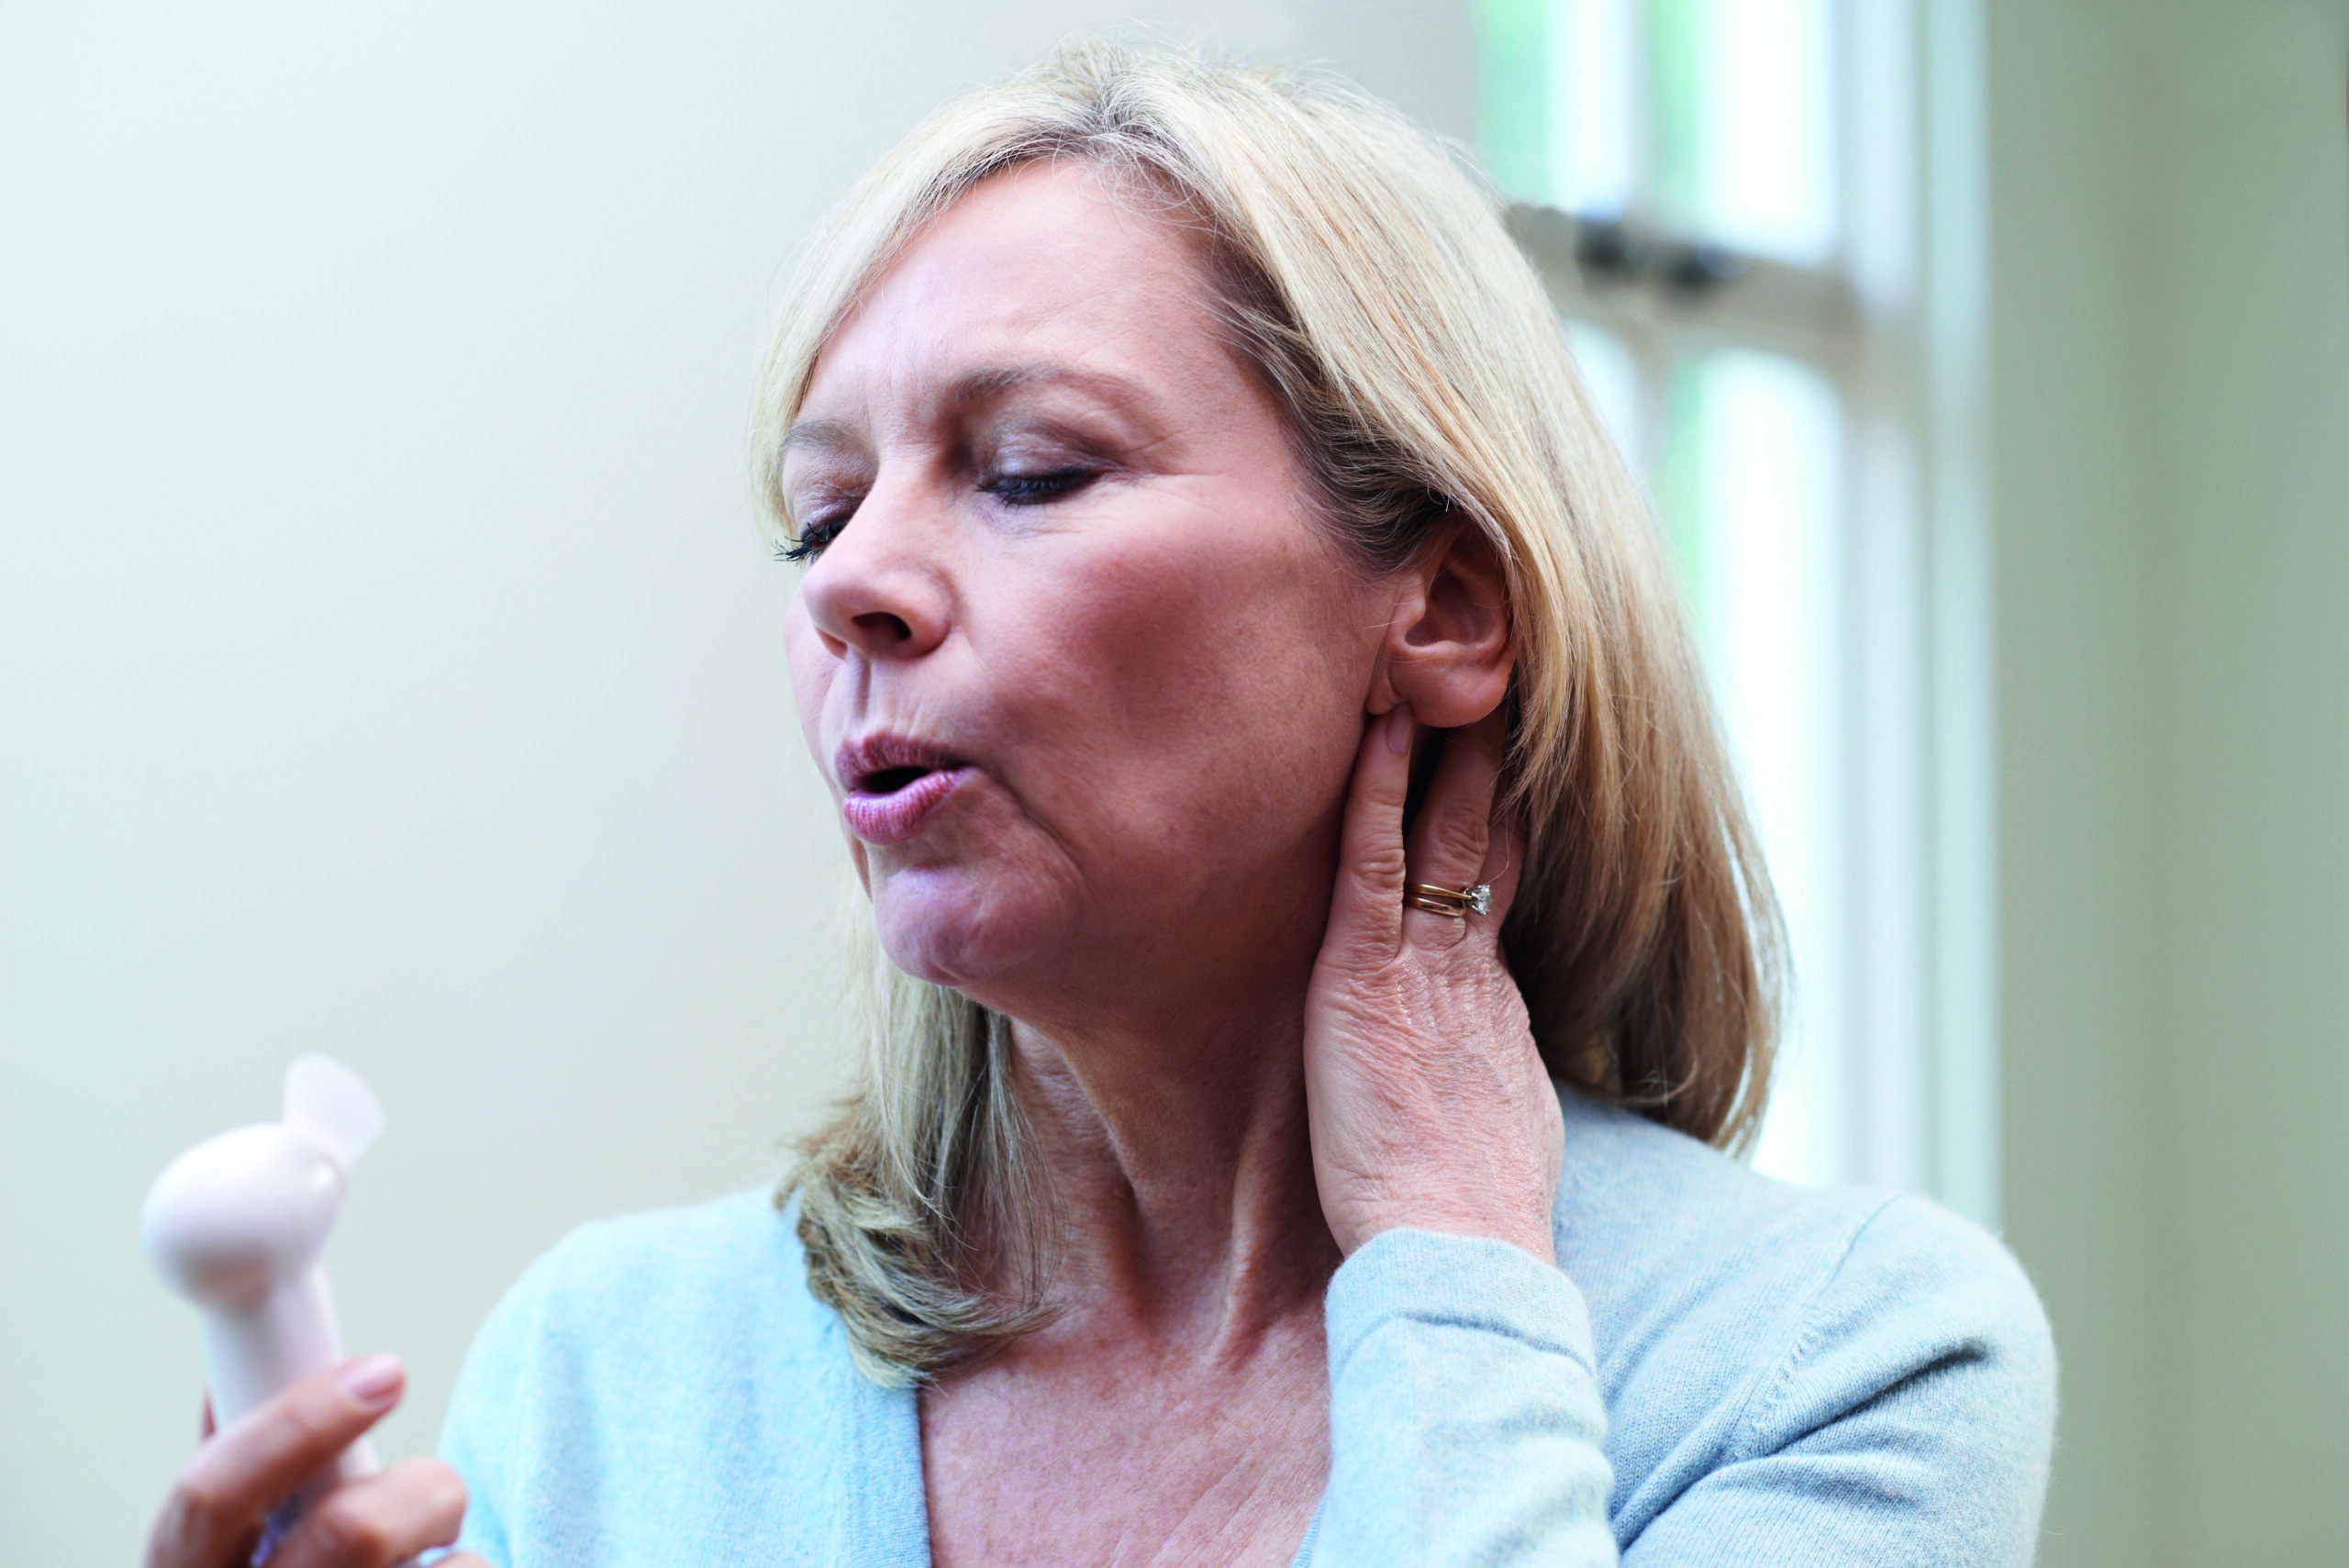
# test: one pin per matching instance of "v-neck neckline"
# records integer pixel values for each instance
(891, 1491)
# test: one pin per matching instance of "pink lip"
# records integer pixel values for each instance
(894, 819)
(891, 815)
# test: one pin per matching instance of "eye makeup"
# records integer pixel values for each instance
(1023, 438)
(1038, 489)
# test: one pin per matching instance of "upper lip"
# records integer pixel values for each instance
(858, 759)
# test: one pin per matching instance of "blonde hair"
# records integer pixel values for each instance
(1364, 275)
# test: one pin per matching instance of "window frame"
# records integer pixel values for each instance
(1889, 320)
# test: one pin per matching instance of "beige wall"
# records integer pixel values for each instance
(2169, 191)
(389, 665)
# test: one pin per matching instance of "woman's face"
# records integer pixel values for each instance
(1084, 671)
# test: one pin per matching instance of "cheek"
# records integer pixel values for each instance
(812, 669)
(1255, 642)
(1206, 691)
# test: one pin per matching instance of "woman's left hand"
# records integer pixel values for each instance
(1429, 1104)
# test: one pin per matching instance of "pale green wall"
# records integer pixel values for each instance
(2169, 391)
(256, 412)
(387, 662)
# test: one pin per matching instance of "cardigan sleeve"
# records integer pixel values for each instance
(1907, 1418)
(1465, 1420)
(1911, 1421)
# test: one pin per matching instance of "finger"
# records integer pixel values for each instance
(1366, 908)
(386, 1519)
(1453, 829)
(1504, 866)
(241, 1472)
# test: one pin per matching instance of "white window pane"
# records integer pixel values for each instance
(1745, 122)
(1612, 378)
(1763, 455)
(1592, 105)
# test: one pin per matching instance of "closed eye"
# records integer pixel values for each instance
(819, 532)
(1037, 489)
(1011, 489)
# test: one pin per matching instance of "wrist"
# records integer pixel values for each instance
(1529, 1233)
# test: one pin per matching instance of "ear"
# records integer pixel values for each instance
(1447, 650)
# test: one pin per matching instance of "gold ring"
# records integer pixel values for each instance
(1455, 902)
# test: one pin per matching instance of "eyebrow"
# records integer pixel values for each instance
(821, 435)
(977, 388)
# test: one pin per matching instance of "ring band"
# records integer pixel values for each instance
(1455, 902)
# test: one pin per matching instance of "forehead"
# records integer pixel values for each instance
(1044, 262)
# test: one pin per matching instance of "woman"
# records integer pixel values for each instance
(1324, 953)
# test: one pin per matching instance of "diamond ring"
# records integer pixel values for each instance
(1455, 902)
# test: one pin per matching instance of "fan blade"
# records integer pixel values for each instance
(326, 1103)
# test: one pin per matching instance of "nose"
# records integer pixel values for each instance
(881, 587)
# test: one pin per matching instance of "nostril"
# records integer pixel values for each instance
(881, 622)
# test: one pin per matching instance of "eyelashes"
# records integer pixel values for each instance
(1010, 489)
(1036, 489)
(813, 539)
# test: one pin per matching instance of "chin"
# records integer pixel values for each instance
(948, 929)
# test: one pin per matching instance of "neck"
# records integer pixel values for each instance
(1181, 1179)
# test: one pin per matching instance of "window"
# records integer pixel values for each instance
(1725, 197)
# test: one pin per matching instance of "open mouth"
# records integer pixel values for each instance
(891, 784)
(889, 781)
(886, 765)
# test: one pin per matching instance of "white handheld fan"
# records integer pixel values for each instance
(236, 1225)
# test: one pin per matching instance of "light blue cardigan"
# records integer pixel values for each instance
(1721, 1370)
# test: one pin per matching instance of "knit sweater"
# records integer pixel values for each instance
(1720, 1369)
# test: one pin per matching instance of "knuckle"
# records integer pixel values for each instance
(1377, 870)
(348, 1533)
(200, 1507)
(310, 1423)
(1382, 856)
(197, 1498)
(1457, 842)
(444, 1499)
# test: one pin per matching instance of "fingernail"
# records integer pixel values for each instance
(373, 1382)
(1398, 729)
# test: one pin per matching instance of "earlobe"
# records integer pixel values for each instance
(1448, 650)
